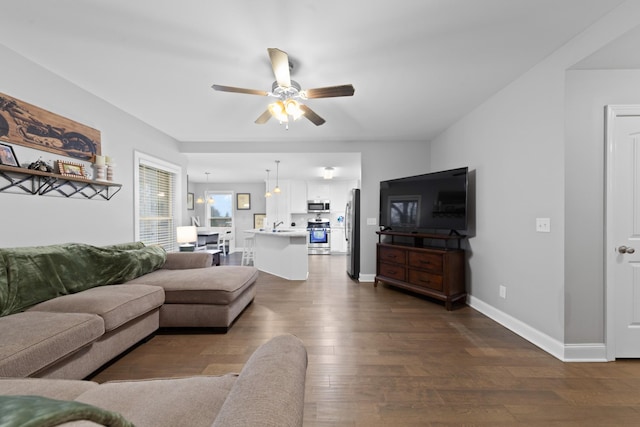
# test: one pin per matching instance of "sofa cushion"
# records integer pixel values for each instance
(270, 388)
(192, 402)
(39, 273)
(213, 285)
(53, 389)
(116, 304)
(181, 260)
(34, 340)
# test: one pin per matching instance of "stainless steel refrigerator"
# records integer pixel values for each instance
(352, 233)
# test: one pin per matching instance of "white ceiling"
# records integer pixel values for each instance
(251, 167)
(417, 65)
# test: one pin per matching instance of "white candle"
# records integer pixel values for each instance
(99, 160)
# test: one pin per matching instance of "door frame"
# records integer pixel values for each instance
(612, 112)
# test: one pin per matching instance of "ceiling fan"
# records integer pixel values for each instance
(289, 93)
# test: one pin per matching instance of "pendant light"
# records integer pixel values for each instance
(268, 193)
(277, 189)
(210, 200)
(200, 200)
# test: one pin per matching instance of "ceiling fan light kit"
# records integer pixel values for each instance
(289, 93)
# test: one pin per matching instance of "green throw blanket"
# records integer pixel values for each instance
(32, 275)
(36, 411)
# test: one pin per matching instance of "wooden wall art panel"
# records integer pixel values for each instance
(31, 126)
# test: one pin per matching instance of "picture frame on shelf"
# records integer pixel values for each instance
(190, 206)
(71, 169)
(243, 201)
(8, 156)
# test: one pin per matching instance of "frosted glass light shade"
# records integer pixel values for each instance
(187, 234)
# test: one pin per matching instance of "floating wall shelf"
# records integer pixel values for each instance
(41, 183)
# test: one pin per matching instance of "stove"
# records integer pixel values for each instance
(319, 242)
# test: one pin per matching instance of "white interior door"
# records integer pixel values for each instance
(622, 251)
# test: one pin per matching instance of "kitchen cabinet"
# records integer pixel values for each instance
(319, 190)
(298, 196)
(340, 194)
(336, 191)
(338, 241)
(283, 254)
(278, 206)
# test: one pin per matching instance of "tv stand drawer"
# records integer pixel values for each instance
(427, 261)
(392, 271)
(393, 255)
(424, 279)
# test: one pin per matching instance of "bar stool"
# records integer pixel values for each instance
(223, 241)
(247, 252)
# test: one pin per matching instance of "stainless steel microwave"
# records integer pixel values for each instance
(318, 206)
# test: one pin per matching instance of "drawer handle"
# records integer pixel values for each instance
(392, 271)
(425, 262)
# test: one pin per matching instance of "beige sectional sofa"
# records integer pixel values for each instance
(269, 391)
(66, 310)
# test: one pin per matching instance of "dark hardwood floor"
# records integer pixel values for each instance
(378, 356)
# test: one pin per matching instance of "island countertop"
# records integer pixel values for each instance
(281, 232)
(282, 252)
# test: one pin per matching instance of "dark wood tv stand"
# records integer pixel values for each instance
(437, 271)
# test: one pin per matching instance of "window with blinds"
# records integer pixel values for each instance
(157, 208)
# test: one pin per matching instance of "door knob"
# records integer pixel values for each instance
(626, 250)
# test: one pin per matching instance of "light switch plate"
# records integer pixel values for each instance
(372, 221)
(543, 225)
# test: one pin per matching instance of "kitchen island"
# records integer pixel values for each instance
(282, 253)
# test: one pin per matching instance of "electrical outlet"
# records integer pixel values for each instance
(543, 225)
(503, 292)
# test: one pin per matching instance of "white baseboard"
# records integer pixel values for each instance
(366, 278)
(596, 352)
(566, 352)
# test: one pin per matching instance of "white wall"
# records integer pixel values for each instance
(587, 93)
(37, 220)
(516, 143)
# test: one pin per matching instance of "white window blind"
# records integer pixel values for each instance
(157, 205)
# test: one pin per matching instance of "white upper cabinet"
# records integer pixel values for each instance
(298, 196)
(278, 205)
(319, 190)
(340, 194)
(336, 191)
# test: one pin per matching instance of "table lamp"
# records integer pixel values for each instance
(185, 237)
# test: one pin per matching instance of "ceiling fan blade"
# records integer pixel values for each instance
(330, 91)
(311, 115)
(240, 90)
(264, 117)
(280, 65)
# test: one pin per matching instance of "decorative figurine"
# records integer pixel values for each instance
(40, 165)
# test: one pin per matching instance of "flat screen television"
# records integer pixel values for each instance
(426, 203)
